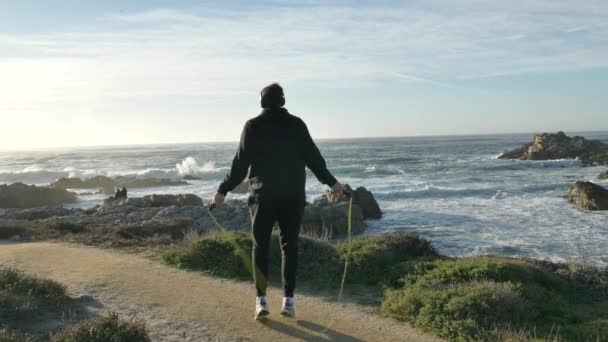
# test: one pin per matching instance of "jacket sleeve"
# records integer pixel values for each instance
(315, 161)
(240, 163)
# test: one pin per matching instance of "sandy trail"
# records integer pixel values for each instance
(186, 306)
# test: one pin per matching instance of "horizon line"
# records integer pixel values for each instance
(30, 149)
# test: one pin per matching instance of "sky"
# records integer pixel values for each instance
(82, 73)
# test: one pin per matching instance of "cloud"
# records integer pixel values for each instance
(156, 15)
(225, 51)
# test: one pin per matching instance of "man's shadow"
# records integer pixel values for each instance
(307, 331)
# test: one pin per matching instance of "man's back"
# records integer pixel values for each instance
(277, 146)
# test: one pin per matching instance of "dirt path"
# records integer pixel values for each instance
(186, 306)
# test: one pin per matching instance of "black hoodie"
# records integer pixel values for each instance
(277, 146)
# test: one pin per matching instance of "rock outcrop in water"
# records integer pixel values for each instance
(108, 184)
(589, 196)
(548, 146)
(19, 195)
(603, 175)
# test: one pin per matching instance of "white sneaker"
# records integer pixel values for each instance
(288, 309)
(261, 308)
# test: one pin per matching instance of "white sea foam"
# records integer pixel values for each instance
(457, 195)
(31, 176)
(190, 166)
(529, 164)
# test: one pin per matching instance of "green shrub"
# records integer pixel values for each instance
(175, 227)
(18, 283)
(10, 229)
(37, 230)
(382, 259)
(66, 226)
(475, 298)
(9, 335)
(496, 269)
(228, 254)
(461, 311)
(222, 254)
(26, 299)
(373, 260)
(103, 329)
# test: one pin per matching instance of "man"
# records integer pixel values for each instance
(277, 146)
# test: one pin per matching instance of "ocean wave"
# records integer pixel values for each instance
(31, 177)
(365, 170)
(508, 165)
(190, 167)
(37, 174)
(431, 191)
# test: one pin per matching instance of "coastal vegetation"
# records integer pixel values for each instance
(36, 309)
(401, 275)
(463, 299)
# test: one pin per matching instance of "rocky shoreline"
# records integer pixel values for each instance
(175, 215)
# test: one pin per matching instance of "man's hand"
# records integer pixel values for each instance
(218, 200)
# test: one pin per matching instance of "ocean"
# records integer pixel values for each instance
(452, 190)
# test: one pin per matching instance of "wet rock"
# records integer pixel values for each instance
(362, 198)
(190, 177)
(588, 195)
(19, 195)
(169, 200)
(330, 220)
(108, 184)
(549, 146)
(603, 175)
(369, 206)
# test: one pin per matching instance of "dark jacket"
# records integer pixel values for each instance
(277, 146)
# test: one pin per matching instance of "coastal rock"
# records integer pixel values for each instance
(19, 195)
(154, 214)
(362, 198)
(548, 146)
(32, 214)
(169, 200)
(108, 184)
(603, 175)
(369, 206)
(155, 200)
(330, 220)
(588, 195)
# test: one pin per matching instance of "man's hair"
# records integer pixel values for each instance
(272, 96)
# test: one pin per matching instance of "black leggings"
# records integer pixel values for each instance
(264, 213)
